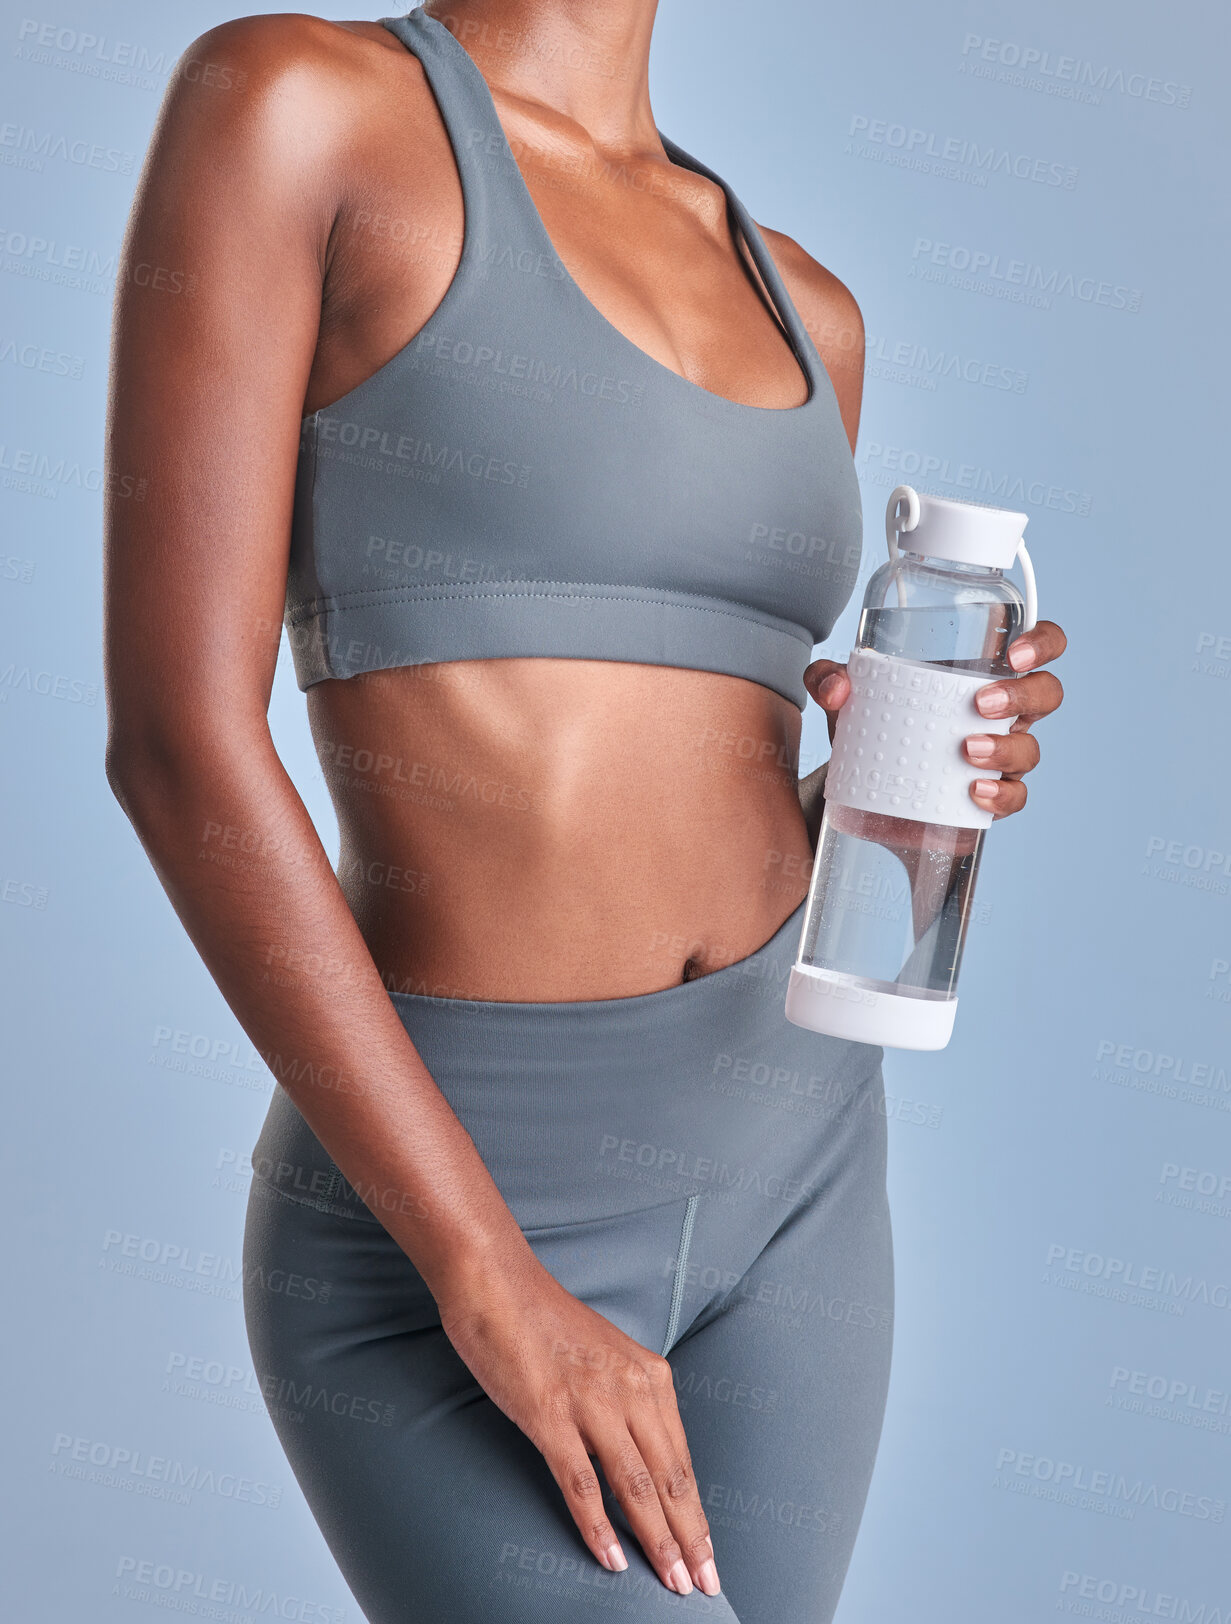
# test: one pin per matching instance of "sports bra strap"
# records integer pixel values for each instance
(500, 212)
(784, 306)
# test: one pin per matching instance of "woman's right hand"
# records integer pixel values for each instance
(578, 1387)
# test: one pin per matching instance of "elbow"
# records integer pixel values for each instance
(161, 771)
(156, 788)
(149, 759)
(133, 754)
(137, 775)
(116, 765)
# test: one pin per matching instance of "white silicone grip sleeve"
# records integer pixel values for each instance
(898, 743)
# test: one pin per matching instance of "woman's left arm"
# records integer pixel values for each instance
(832, 317)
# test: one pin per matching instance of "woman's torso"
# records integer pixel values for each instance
(548, 828)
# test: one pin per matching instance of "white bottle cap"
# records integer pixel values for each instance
(965, 532)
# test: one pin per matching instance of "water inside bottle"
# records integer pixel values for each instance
(897, 897)
(897, 893)
(961, 637)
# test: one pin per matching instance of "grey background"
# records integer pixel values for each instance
(1047, 1247)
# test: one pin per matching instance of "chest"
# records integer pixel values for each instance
(650, 246)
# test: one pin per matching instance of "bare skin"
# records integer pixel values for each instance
(298, 220)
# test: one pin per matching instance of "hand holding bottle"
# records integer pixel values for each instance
(1013, 755)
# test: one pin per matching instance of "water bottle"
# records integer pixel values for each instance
(894, 875)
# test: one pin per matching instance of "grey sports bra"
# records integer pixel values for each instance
(521, 479)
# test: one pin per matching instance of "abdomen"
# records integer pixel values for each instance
(546, 829)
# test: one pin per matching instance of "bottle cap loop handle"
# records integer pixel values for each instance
(1031, 594)
(894, 521)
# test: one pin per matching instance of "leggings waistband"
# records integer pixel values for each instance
(603, 1104)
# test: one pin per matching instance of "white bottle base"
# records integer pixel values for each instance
(839, 1007)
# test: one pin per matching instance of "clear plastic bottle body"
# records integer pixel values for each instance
(890, 897)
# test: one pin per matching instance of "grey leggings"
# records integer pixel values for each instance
(710, 1178)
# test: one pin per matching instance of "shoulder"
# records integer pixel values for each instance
(276, 46)
(285, 113)
(828, 309)
(826, 305)
(297, 80)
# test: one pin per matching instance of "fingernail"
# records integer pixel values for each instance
(980, 745)
(615, 1558)
(826, 687)
(991, 701)
(987, 789)
(1021, 655)
(708, 1575)
(677, 1577)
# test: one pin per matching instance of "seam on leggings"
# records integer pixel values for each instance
(681, 1260)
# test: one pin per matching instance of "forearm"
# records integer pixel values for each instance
(242, 864)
